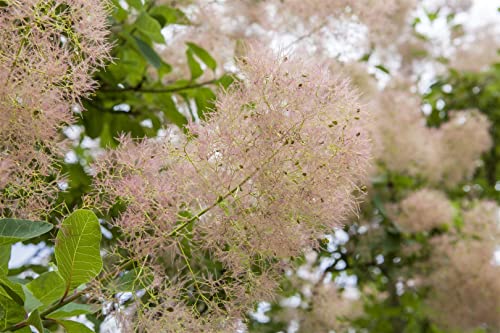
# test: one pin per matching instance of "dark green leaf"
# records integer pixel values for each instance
(13, 289)
(150, 27)
(134, 280)
(152, 57)
(137, 4)
(225, 80)
(119, 13)
(30, 301)
(169, 109)
(10, 312)
(147, 51)
(194, 66)
(203, 55)
(47, 288)
(4, 259)
(205, 101)
(383, 69)
(72, 309)
(13, 230)
(74, 327)
(35, 321)
(167, 15)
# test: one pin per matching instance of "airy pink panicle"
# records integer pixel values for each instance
(442, 156)
(275, 166)
(423, 210)
(48, 52)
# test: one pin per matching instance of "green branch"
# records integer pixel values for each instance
(159, 91)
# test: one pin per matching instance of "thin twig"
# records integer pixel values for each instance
(309, 34)
(159, 91)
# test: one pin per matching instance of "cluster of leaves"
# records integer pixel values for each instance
(48, 300)
(133, 88)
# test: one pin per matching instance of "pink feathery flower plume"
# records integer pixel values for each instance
(273, 168)
(48, 52)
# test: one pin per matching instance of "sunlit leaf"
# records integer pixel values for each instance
(203, 55)
(77, 248)
(47, 288)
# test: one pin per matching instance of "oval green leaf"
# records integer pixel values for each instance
(47, 288)
(4, 259)
(194, 66)
(74, 327)
(72, 309)
(150, 27)
(77, 248)
(203, 55)
(14, 230)
(35, 321)
(10, 312)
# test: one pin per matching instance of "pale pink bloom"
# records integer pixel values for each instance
(477, 49)
(423, 210)
(463, 275)
(464, 138)
(442, 156)
(47, 56)
(275, 166)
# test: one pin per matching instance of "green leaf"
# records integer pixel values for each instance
(13, 290)
(150, 27)
(205, 101)
(131, 66)
(152, 57)
(30, 301)
(169, 109)
(72, 309)
(10, 312)
(148, 53)
(383, 69)
(225, 80)
(13, 230)
(133, 280)
(77, 248)
(167, 15)
(377, 202)
(47, 288)
(4, 259)
(35, 321)
(119, 13)
(137, 4)
(194, 66)
(203, 55)
(74, 327)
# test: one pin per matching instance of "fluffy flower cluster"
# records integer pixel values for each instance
(381, 18)
(330, 309)
(478, 50)
(48, 50)
(464, 278)
(464, 138)
(407, 147)
(483, 220)
(259, 181)
(446, 156)
(423, 210)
